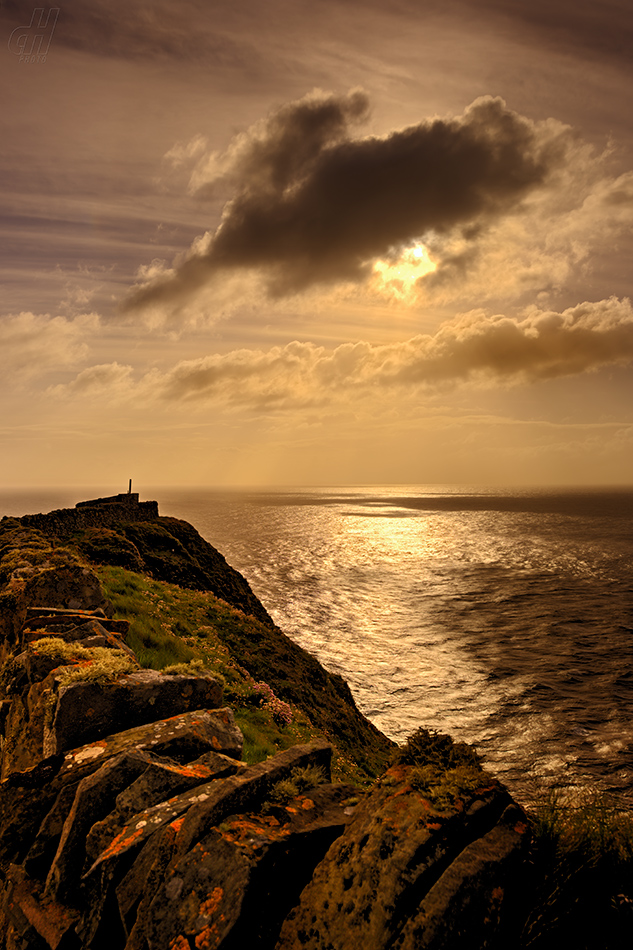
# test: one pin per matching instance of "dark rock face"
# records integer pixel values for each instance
(71, 587)
(129, 822)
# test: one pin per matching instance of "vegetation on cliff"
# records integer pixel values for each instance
(281, 694)
(171, 550)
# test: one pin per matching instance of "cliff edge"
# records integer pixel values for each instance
(200, 806)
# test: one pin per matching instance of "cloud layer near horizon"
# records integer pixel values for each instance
(312, 205)
(488, 349)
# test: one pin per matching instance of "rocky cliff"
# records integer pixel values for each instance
(134, 813)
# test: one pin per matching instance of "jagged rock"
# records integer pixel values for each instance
(184, 737)
(27, 668)
(94, 798)
(86, 710)
(400, 871)
(473, 901)
(42, 852)
(162, 835)
(41, 923)
(24, 731)
(163, 779)
(41, 617)
(26, 797)
(77, 633)
(208, 804)
(242, 879)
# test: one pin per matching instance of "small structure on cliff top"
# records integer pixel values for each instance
(129, 498)
(94, 513)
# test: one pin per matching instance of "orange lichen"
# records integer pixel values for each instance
(121, 841)
(209, 907)
(204, 939)
(177, 824)
(245, 831)
(179, 943)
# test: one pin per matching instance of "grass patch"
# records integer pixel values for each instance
(443, 770)
(582, 856)
(27, 550)
(177, 629)
(148, 606)
(299, 781)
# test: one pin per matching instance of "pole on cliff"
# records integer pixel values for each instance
(129, 490)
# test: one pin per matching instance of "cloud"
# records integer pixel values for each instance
(33, 344)
(573, 26)
(142, 30)
(106, 378)
(313, 205)
(488, 350)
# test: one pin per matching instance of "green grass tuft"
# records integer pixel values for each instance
(299, 781)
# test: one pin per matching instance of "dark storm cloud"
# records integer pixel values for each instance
(313, 205)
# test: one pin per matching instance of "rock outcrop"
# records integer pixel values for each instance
(129, 821)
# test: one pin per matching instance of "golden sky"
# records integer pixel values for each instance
(316, 243)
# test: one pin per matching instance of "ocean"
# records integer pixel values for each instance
(504, 618)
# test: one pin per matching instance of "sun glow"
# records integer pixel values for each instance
(398, 278)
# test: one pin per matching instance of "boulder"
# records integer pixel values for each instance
(242, 879)
(207, 805)
(94, 798)
(162, 779)
(87, 710)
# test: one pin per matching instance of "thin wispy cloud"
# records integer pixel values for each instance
(33, 344)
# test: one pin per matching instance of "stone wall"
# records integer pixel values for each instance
(66, 521)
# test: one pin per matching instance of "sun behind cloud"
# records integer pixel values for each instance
(398, 278)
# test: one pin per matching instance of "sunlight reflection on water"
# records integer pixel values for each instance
(454, 617)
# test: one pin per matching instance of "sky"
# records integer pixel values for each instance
(318, 243)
